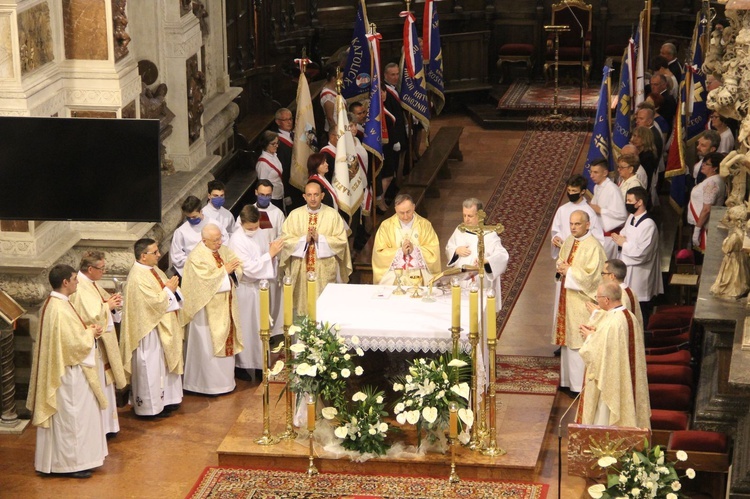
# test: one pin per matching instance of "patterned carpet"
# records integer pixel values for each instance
(528, 375)
(522, 95)
(540, 166)
(216, 482)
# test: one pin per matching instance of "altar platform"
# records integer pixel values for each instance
(521, 422)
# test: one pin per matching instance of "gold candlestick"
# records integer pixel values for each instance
(289, 433)
(475, 442)
(455, 314)
(453, 408)
(312, 295)
(492, 449)
(311, 469)
(265, 335)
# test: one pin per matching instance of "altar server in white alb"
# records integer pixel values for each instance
(215, 208)
(151, 334)
(188, 235)
(212, 272)
(639, 240)
(608, 205)
(65, 394)
(258, 262)
(461, 251)
(560, 229)
(97, 306)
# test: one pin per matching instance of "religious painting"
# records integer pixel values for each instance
(85, 29)
(6, 48)
(35, 38)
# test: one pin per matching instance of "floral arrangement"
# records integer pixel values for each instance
(428, 389)
(361, 426)
(641, 475)
(322, 361)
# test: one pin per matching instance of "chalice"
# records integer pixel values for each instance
(415, 276)
(399, 290)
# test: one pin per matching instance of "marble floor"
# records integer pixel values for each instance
(163, 458)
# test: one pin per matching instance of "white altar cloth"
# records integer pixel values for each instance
(390, 323)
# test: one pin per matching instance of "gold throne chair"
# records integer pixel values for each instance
(566, 13)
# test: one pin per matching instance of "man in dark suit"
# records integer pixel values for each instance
(285, 124)
(669, 107)
(669, 52)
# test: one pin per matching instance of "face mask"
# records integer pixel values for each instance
(250, 233)
(574, 197)
(631, 208)
(264, 201)
(217, 202)
(194, 221)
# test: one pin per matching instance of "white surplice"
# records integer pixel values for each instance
(221, 216)
(561, 223)
(186, 237)
(641, 254)
(612, 212)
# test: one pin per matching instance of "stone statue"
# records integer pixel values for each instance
(733, 280)
(199, 10)
(154, 106)
(733, 170)
(195, 90)
(119, 23)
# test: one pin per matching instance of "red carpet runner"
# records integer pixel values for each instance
(527, 196)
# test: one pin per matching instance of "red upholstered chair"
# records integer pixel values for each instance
(668, 320)
(679, 357)
(662, 419)
(708, 452)
(669, 374)
(670, 397)
(565, 14)
(515, 52)
(681, 310)
(667, 337)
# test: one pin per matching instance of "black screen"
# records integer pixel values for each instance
(80, 169)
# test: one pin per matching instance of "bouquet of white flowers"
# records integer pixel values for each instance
(428, 389)
(361, 426)
(322, 361)
(641, 475)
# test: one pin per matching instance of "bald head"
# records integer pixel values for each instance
(579, 223)
(211, 236)
(629, 149)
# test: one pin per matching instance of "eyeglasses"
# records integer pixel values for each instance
(98, 268)
(152, 252)
(606, 273)
(602, 296)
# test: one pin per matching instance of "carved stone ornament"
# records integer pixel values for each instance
(35, 38)
(119, 24)
(185, 6)
(196, 87)
(200, 11)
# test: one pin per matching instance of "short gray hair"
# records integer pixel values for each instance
(400, 198)
(618, 268)
(610, 290)
(471, 202)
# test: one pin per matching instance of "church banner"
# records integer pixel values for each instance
(305, 135)
(624, 109)
(357, 73)
(600, 145)
(433, 54)
(349, 180)
(639, 93)
(413, 91)
(375, 133)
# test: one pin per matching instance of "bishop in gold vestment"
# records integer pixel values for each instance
(209, 283)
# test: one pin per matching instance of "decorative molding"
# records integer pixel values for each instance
(54, 104)
(89, 97)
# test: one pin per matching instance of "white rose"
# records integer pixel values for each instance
(347, 356)
(635, 492)
(401, 418)
(359, 351)
(372, 431)
(606, 461)
(430, 414)
(379, 399)
(682, 455)
(690, 473)
(341, 432)
(441, 394)
(408, 378)
(358, 370)
(399, 408)
(671, 495)
(397, 387)
(597, 491)
(342, 350)
(676, 485)
(409, 403)
(457, 363)
(383, 427)
(412, 417)
(329, 412)
(298, 347)
(354, 340)
(334, 375)
(359, 396)
(345, 373)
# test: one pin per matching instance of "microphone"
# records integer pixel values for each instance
(559, 440)
(574, 16)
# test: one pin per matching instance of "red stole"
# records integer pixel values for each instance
(560, 325)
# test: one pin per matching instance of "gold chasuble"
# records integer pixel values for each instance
(331, 261)
(586, 258)
(615, 373)
(202, 277)
(63, 341)
(388, 242)
(90, 300)
(145, 308)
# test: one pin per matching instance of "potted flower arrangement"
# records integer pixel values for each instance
(641, 475)
(322, 361)
(361, 426)
(427, 390)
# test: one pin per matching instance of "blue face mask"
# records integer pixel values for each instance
(264, 201)
(194, 221)
(217, 202)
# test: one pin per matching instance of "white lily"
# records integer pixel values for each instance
(329, 412)
(606, 461)
(462, 390)
(341, 432)
(466, 416)
(294, 330)
(597, 491)
(303, 369)
(277, 368)
(298, 348)
(457, 363)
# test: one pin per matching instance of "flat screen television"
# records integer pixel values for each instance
(80, 169)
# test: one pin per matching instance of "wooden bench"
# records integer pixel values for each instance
(432, 165)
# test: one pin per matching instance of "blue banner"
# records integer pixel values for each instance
(413, 91)
(357, 73)
(624, 110)
(434, 55)
(373, 139)
(601, 145)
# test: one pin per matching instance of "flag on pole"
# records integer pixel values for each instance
(375, 133)
(639, 79)
(413, 91)
(624, 110)
(433, 53)
(357, 73)
(305, 135)
(349, 179)
(601, 145)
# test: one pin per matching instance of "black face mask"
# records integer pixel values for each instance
(574, 197)
(631, 208)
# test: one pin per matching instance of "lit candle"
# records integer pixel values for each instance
(456, 303)
(312, 294)
(288, 311)
(310, 413)
(453, 408)
(491, 316)
(264, 307)
(474, 310)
